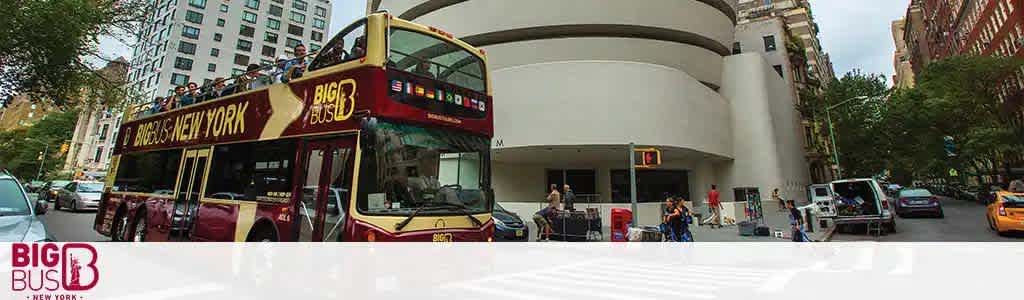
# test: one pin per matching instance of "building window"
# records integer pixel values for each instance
(103, 133)
(197, 3)
(314, 47)
(254, 4)
(186, 47)
(316, 36)
(217, 37)
(246, 31)
(318, 23)
(736, 49)
(297, 17)
(190, 32)
(223, 8)
(651, 185)
(99, 153)
(291, 43)
(299, 4)
(266, 62)
(270, 37)
(244, 45)
(182, 63)
(194, 17)
(178, 79)
(320, 12)
(273, 24)
(249, 17)
(778, 69)
(276, 10)
(295, 30)
(769, 43)
(582, 182)
(269, 51)
(220, 22)
(211, 67)
(241, 60)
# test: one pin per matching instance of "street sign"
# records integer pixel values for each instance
(953, 172)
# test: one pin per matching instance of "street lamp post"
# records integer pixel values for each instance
(42, 160)
(832, 134)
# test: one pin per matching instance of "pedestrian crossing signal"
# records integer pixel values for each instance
(648, 158)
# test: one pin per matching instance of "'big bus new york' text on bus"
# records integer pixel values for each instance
(385, 137)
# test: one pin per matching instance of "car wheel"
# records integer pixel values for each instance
(139, 233)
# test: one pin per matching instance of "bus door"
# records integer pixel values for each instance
(325, 181)
(190, 181)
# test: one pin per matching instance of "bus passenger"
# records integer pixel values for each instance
(251, 80)
(359, 48)
(423, 69)
(281, 66)
(156, 105)
(218, 88)
(297, 65)
(168, 103)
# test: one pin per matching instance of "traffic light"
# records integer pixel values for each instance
(648, 158)
(64, 148)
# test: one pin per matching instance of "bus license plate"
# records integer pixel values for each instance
(519, 232)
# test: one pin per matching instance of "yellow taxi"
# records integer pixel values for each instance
(1006, 212)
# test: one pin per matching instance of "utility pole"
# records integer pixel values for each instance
(632, 182)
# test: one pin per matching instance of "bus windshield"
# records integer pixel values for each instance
(437, 59)
(408, 168)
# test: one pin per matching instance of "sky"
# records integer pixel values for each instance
(856, 33)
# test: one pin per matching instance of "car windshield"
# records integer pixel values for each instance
(12, 200)
(406, 168)
(59, 183)
(90, 187)
(1013, 198)
(915, 193)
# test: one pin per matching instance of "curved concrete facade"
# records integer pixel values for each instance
(575, 81)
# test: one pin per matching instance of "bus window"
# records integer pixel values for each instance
(348, 45)
(407, 168)
(147, 172)
(435, 58)
(252, 171)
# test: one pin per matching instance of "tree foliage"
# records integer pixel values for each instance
(44, 45)
(858, 122)
(20, 149)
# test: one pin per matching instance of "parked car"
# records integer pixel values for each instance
(19, 221)
(1006, 212)
(859, 201)
(916, 201)
(508, 226)
(50, 189)
(79, 195)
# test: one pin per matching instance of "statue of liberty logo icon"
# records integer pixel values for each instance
(75, 273)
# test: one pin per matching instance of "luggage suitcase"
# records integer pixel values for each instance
(762, 231)
(747, 228)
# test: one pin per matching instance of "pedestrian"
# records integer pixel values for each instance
(796, 222)
(543, 226)
(716, 208)
(666, 228)
(1017, 186)
(568, 198)
(778, 199)
(554, 197)
(684, 219)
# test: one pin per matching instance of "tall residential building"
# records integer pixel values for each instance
(915, 36)
(800, 21)
(576, 81)
(91, 144)
(904, 75)
(199, 40)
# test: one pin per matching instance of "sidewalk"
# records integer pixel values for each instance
(774, 219)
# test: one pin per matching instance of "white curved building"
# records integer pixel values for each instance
(575, 81)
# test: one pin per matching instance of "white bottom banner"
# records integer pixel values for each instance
(58, 271)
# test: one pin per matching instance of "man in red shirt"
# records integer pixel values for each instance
(716, 207)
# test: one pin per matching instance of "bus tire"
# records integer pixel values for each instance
(140, 228)
(262, 232)
(120, 223)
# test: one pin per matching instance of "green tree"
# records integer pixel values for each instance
(45, 46)
(858, 124)
(20, 149)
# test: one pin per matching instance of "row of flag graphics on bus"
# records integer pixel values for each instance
(440, 95)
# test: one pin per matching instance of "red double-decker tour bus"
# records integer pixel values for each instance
(384, 137)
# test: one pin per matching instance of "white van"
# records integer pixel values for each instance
(821, 197)
(858, 201)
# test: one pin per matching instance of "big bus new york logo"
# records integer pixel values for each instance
(43, 268)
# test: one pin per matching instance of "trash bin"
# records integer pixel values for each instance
(621, 219)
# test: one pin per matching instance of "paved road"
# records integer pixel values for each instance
(964, 222)
(67, 226)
